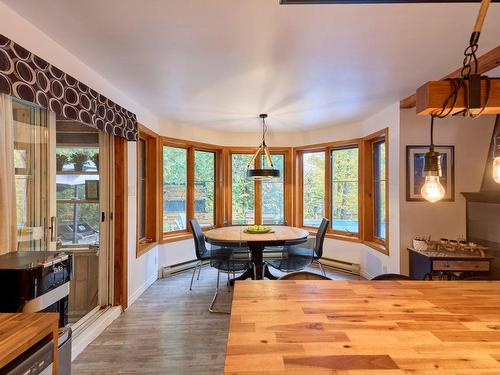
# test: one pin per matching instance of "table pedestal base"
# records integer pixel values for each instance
(261, 269)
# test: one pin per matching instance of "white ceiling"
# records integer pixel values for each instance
(219, 63)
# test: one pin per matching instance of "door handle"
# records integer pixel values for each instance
(53, 228)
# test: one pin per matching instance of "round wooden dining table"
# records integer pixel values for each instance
(256, 243)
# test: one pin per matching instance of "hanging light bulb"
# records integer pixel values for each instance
(496, 162)
(432, 190)
(496, 169)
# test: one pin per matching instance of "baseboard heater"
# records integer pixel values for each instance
(177, 268)
(342, 266)
(334, 264)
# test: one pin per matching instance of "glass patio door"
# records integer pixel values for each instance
(62, 185)
(31, 159)
(81, 200)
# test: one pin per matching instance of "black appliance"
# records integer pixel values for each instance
(37, 281)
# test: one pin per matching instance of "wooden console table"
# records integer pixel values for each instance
(425, 264)
(19, 332)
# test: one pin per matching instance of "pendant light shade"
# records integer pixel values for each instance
(262, 173)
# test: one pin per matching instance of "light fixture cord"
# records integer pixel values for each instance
(264, 131)
(431, 147)
(458, 84)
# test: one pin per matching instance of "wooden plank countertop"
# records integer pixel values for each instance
(364, 327)
(19, 332)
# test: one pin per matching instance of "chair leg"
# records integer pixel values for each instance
(211, 308)
(199, 270)
(321, 267)
(192, 277)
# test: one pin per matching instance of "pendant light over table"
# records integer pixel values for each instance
(262, 173)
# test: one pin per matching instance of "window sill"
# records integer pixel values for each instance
(334, 236)
(176, 237)
(377, 246)
(143, 247)
(342, 237)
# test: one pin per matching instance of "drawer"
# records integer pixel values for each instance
(461, 265)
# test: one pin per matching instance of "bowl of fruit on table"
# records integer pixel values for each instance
(258, 229)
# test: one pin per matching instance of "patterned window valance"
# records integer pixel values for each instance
(31, 78)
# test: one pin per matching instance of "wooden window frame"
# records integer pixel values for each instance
(287, 183)
(341, 233)
(143, 245)
(327, 148)
(368, 229)
(191, 147)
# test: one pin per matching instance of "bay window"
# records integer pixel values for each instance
(174, 189)
(313, 187)
(345, 192)
(242, 191)
(204, 187)
(345, 182)
(192, 187)
(273, 193)
(265, 201)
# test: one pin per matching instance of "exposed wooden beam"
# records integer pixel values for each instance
(432, 96)
(489, 61)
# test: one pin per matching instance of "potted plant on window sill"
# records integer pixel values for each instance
(78, 159)
(61, 160)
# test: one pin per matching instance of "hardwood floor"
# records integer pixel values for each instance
(168, 330)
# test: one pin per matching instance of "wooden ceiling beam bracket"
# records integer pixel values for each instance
(489, 61)
(432, 96)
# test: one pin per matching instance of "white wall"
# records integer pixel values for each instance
(22, 32)
(471, 139)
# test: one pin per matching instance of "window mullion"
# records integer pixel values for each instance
(328, 186)
(258, 195)
(190, 185)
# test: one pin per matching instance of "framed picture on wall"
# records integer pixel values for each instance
(415, 177)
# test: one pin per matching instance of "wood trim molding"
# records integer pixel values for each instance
(489, 61)
(152, 193)
(367, 227)
(120, 223)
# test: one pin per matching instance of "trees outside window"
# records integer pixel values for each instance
(242, 191)
(273, 193)
(204, 187)
(174, 188)
(379, 188)
(345, 194)
(313, 187)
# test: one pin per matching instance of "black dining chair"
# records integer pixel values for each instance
(303, 275)
(391, 276)
(200, 247)
(229, 260)
(297, 255)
